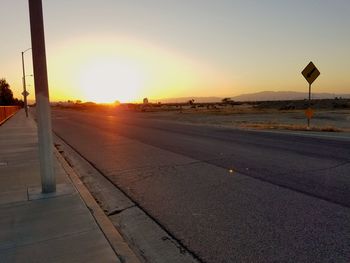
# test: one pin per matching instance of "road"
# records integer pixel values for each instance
(227, 195)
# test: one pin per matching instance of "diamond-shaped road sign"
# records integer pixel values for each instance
(25, 93)
(310, 73)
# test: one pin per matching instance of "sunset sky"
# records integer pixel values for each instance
(111, 50)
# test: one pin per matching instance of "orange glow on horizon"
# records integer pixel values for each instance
(107, 69)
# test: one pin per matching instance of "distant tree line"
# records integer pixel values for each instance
(6, 95)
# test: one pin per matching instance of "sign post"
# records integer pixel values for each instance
(310, 73)
(48, 179)
(24, 93)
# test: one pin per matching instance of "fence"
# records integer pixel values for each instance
(6, 112)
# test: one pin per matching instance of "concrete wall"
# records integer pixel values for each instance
(6, 112)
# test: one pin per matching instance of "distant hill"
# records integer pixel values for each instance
(259, 96)
(186, 99)
(285, 95)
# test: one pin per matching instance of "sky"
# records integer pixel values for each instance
(111, 50)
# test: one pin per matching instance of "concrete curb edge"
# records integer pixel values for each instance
(117, 242)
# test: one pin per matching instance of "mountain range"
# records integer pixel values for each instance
(259, 96)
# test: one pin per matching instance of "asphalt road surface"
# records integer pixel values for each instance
(227, 195)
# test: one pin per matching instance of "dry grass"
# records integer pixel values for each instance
(242, 109)
(244, 116)
(291, 127)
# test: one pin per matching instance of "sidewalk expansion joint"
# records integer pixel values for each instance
(13, 245)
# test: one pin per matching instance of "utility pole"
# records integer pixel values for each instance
(24, 84)
(48, 179)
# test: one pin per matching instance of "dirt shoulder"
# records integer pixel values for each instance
(329, 115)
(252, 118)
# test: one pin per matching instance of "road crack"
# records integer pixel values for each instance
(118, 211)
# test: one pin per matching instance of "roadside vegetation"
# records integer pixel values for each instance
(6, 95)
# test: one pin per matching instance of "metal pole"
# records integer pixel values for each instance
(309, 95)
(308, 119)
(24, 87)
(48, 180)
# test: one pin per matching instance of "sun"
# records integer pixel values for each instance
(105, 80)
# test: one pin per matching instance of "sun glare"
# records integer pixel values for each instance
(106, 80)
(107, 69)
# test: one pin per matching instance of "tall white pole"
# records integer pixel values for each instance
(48, 179)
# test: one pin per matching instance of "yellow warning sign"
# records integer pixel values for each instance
(310, 73)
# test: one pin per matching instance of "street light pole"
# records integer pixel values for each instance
(24, 84)
(48, 179)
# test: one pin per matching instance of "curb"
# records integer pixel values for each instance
(115, 239)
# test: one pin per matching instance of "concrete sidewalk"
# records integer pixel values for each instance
(35, 227)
